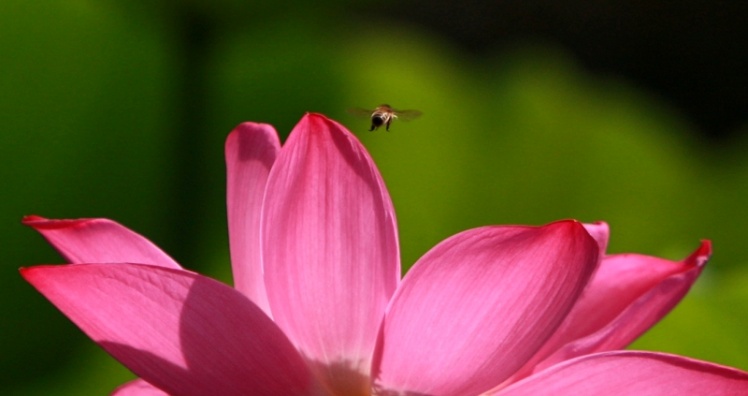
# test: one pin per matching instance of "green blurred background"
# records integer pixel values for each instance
(635, 115)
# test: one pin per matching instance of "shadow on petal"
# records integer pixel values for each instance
(179, 331)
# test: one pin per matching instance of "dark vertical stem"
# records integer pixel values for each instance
(195, 36)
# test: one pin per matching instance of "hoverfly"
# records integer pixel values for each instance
(384, 114)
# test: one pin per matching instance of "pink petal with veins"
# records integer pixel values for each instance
(478, 305)
(251, 149)
(632, 373)
(98, 241)
(138, 387)
(330, 249)
(628, 294)
(181, 332)
(600, 232)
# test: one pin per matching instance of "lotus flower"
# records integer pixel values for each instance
(319, 308)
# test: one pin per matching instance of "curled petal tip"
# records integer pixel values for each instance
(30, 274)
(43, 223)
(29, 219)
(701, 256)
(568, 224)
(600, 225)
(706, 247)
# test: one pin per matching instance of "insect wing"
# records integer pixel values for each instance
(407, 115)
(359, 112)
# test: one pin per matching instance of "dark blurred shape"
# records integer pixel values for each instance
(692, 52)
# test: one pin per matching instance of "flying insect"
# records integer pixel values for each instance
(384, 114)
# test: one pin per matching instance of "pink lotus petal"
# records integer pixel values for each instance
(251, 149)
(138, 387)
(98, 241)
(478, 305)
(600, 232)
(628, 294)
(184, 333)
(330, 249)
(632, 373)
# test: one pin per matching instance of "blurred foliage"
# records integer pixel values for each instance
(121, 110)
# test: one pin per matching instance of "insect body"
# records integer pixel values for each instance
(384, 114)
